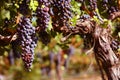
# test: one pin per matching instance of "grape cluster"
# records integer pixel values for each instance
(61, 13)
(43, 16)
(93, 8)
(110, 6)
(28, 40)
(43, 19)
(93, 4)
(105, 4)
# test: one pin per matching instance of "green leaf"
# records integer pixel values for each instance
(33, 5)
(5, 14)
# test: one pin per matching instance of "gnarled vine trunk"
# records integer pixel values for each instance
(103, 51)
(107, 59)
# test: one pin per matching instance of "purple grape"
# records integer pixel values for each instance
(28, 40)
(43, 19)
(61, 12)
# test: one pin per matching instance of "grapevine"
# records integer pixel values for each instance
(97, 24)
(43, 19)
(61, 14)
(27, 40)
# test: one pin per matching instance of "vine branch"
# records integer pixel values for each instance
(114, 15)
(4, 40)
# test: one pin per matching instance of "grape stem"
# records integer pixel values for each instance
(8, 38)
(66, 37)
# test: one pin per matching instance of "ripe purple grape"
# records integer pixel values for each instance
(43, 19)
(27, 40)
(61, 12)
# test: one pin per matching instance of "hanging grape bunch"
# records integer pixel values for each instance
(112, 6)
(28, 40)
(105, 4)
(61, 14)
(43, 19)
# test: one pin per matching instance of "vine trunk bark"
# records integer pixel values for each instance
(100, 38)
(104, 53)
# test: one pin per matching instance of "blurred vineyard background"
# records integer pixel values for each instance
(81, 66)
